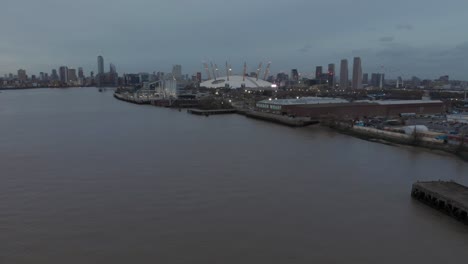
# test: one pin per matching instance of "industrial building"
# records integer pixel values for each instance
(317, 107)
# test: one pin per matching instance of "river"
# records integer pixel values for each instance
(85, 178)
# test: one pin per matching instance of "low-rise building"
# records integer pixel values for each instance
(316, 107)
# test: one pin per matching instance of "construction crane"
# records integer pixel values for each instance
(212, 68)
(267, 71)
(207, 69)
(245, 71)
(227, 71)
(216, 71)
(259, 69)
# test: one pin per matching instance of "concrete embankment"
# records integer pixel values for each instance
(211, 112)
(280, 119)
(374, 134)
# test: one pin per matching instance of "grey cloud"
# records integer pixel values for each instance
(145, 35)
(462, 47)
(423, 61)
(404, 27)
(387, 39)
(306, 48)
(398, 50)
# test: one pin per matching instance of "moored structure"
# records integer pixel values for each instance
(448, 197)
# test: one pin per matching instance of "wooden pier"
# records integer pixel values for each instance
(448, 197)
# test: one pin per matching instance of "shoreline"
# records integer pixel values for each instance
(402, 140)
(364, 133)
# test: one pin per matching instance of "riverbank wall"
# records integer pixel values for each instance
(211, 112)
(279, 119)
(373, 134)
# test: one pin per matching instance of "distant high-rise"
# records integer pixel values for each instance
(344, 79)
(399, 82)
(112, 68)
(444, 78)
(100, 62)
(80, 73)
(199, 77)
(177, 72)
(100, 73)
(54, 76)
(331, 75)
(415, 81)
(365, 78)
(294, 75)
(63, 74)
(357, 73)
(113, 77)
(72, 75)
(375, 80)
(22, 75)
(318, 72)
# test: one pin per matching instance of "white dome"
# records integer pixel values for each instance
(236, 81)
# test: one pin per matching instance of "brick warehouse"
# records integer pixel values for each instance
(315, 107)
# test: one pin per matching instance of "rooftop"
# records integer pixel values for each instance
(306, 100)
(399, 102)
(329, 100)
(236, 81)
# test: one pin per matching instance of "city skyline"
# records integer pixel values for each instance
(402, 39)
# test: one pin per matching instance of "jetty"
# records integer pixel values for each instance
(211, 112)
(448, 197)
(132, 99)
(280, 119)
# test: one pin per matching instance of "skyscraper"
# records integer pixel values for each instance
(54, 76)
(80, 73)
(331, 75)
(344, 79)
(100, 74)
(100, 62)
(177, 72)
(294, 75)
(365, 78)
(63, 74)
(72, 75)
(113, 77)
(375, 80)
(357, 73)
(22, 75)
(318, 72)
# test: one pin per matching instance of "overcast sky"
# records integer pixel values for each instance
(426, 38)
